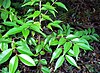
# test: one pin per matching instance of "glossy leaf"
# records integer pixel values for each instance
(71, 60)
(84, 46)
(27, 60)
(70, 37)
(6, 3)
(61, 5)
(71, 52)
(76, 50)
(59, 62)
(56, 54)
(4, 56)
(62, 41)
(44, 69)
(67, 47)
(13, 64)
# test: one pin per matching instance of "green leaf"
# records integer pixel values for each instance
(3, 40)
(13, 64)
(6, 3)
(46, 17)
(4, 56)
(48, 49)
(44, 69)
(62, 41)
(94, 38)
(32, 41)
(25, 33)
(84, 46)
(70, 37)
(47, 40)
(67, 47)
(43, 62)
(10, 23)
(23, 48)
(4, 15)
(1, 2)
(16, 30)
(3, 46)
(76, 50)
(34, 15)
(56, 54)
(27, 60)
(61, 5)
(59, 62)
(71, 60)
(71, 52)
(52, 0)
(38, 48)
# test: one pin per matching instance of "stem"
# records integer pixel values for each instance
(40, 11)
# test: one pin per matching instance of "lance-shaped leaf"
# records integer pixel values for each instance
(70, 37)
(34, 15)
(4, 56)
(27, 60)
(38, 48)
(10, 23)
(61, 5)
(67, 47)
(25, 33)
(71, 60)
(62, 41)
(59, 62)
(46, 17)
(76, 51)
(13, 64)
(84, 46)
(44, 69)
(16, 30)
(56, 54)
(23, 48)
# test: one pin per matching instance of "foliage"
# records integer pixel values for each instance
(18, 42)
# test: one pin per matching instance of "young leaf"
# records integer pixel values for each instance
(27, 60)
(4, 56)
(71, 60)
(46, 17)
(56, 54)
(48, 49)
(45, 69)
(43, 62)
(67, 47)
(76, 50)
(25, 33)
(70, 37)
(61, 5)
(13, 64)
(84, 46)
(38, 48)
(6, 3)
(59, 62)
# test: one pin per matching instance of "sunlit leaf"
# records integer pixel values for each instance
(13, 64)
(44, 69)
(27, 60)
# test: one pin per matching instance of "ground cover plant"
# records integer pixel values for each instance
(26, 39)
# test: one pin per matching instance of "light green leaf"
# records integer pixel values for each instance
(59, 62)
(32, 41)
(27, 60)
(61, 5)
(38, 48)
(6, 3)
(52, 0)
(3, 46)
(4, 56)
(47, 40)
(46, 17)
(10, 23)
(76, 50)
(23, 48)
(84, 46)
(34, 15)
(56, 54)
(13, 64)
(25, 33)
(3, 40)
(71, 60)
(48, 49)
(62, 41)
(71, 52)
(67, 47)
(4, 15)
(44, 69)
(70, 37)
(43, 61)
